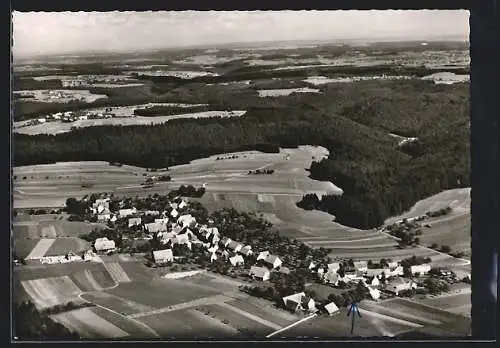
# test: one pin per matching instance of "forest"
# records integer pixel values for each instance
(379, 178)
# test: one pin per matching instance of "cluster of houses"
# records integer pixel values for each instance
(90, 80)
(389, 278)
(72, 116)
(70, 257)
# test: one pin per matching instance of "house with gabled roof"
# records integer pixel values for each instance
(375, 272)
(174, 213)
(103, 217)
(236, 260)
(331, 277)
(155, 227)
(361, 266)
(398, 285)
(186, 220)
(294, 301)
(163, 221)
(374, 293)
(420, 269)
(134, 222)
(331, 308)
(182, 204)
(104, 244)
(334, 266)
(213, 248)
(263, 255)
(273, 261)
(163, 256)
(312, 266)
(152, 212)
(213, 257)
(174, 206)
(126, 212)
(260, 273)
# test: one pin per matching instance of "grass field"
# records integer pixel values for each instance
(115, 303)
(48, 292)
(189, 324)
(160, 293)
(89, 325)
(134, 330)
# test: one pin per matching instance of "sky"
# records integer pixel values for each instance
(37, 33)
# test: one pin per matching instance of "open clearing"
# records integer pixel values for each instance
(188, 324)
(62, 127)
(48, 292)
(88, 324)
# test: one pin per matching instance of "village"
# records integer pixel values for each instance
(181, 233)
(72, 116)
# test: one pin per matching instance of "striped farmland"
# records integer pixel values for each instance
(117, 272)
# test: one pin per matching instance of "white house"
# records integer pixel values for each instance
(273, 261)
(374, 293)
(104, 244)
(163, 256)
(234, 246)
(398, 285)
(152, 212)
(375, 272)
(320, 272)
(163, 221)
(312, 265)
(213, 230)
(174, 206)
(113, 218)
(331, 277)
(182, 205)
(361, 266)
(126, 212)
(420, 269)
(334, 267)
(398, 271)
(295, 301)
(263, 255)
(260, 273)
(213, 249)
(236, 260)
(375, 282)
(331, 308)
(186, 220)
(393, 264)
(174, 213)
(134, 222)
(155, 227)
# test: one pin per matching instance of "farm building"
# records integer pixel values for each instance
(375, 272)
(113, 218)
(174, 213)
(396, 272)
(331, 277)
(188, 233)
(273, 261)
(312, 265)
(213, 248)
(152, 212)
(182, 205)
(163, 221)
(214, 230)
(398, 285)
(174, 206)
(361, 266)
(186, 220)
(260, 273)
(246, 250)
(299, 301)
(334, 267)
(420, 269)
(126, 212)
(263, 255)
(393, 264)
(374, 293)
(155, 227)
(375, 282)
(163, 256)
(234, 246)
(331, 308)
(134, 222)
(236, 260)
(104, 244)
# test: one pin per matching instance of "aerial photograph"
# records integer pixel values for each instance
(240, 175)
